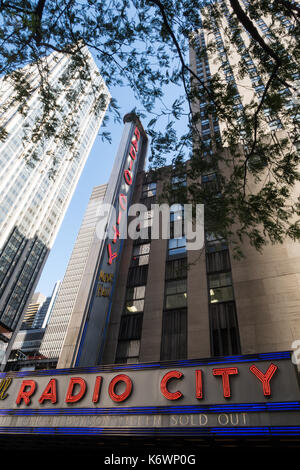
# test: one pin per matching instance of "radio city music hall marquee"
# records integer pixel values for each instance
(241, 395)
(129, 159)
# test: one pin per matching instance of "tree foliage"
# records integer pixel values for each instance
(144, 45)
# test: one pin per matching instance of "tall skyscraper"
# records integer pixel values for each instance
(36, 302)
(57, 326)
(32, 204)
(253, 304)
(44, 313)
(212, 55)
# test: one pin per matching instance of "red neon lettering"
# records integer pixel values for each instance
(199, 385)
(225, 372)
(119, 218)
(132, 152)
(137, 133)
(49, 393)
(123, 201)
(128, 177)
(111, 255)
(26, 394)
(70, 397)
(97, 389)
(174, 374)
(112, 385)
(265, 378)
(117, 234)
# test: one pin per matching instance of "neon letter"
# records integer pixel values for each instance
(199, 386)
(132, 152)
(137, 133)
(265, 378)
(97, 389)
(116, 235)
(49, 393)
(111, 255)
(123, 201)
(128, 177)
(25, 395)
(225, 372)
(174, 374)
(113, 383)
(70, 398)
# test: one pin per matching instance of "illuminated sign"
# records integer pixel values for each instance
(104, 279)
(128, 173)
(255, 394)
(130, 157)
(4, 385)
(28, 387)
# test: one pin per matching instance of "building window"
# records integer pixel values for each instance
(176, 212)
(175, 294)
(224, 329)
(217, 261)
(176, 221)
(209, 178)
(176, 269)
(174, 335)
(137, 276)
(148, 190)
(128, 351)
(176, 246)
(130, 327)
(178, 181)
(220, 287)
(148, 201)
(140, 254)
(135, 299)
(215, 243)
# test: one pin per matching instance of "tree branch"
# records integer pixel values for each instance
(183, 64)
(290, 6)
(19, 9)
(255, 119)
(40, 8)
(38, 12)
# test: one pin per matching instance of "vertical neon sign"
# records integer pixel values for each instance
(131, 153)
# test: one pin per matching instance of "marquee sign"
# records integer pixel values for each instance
(241, 395)
(130, 157)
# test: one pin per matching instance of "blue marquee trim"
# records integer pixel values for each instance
(151, 410)
(268, 431)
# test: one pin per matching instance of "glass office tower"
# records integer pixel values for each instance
(33, 204)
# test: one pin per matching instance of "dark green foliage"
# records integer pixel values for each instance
(144, 44)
